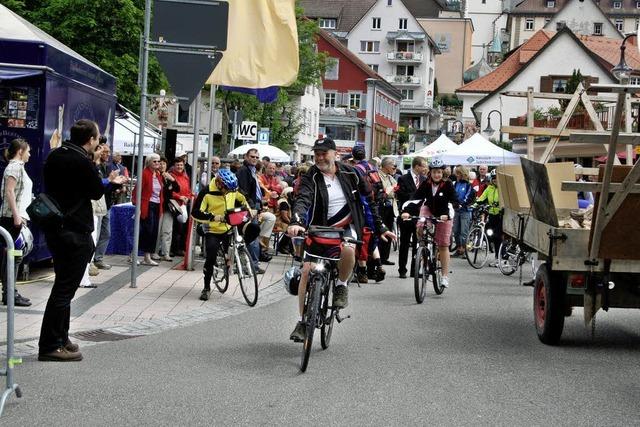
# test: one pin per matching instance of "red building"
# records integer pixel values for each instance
(357, 105)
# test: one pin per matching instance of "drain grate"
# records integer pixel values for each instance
(100, 335)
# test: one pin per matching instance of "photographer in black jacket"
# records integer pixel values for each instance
(71, 179)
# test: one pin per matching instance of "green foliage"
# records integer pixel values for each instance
(106, 32)
(538, 114)
(554, 112)
(572, 84)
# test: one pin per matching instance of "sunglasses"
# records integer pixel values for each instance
(254, 157)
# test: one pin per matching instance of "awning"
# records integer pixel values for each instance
(7, 73)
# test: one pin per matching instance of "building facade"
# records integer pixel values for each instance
(453, 36)
(308, 116)
(587, 17)
(357, 106)
(489, 22)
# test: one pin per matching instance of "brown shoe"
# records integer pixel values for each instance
(60, 355)
(72, 347)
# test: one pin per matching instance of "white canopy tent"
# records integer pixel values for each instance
(441, 145)
(125, 136)
(477, 150)
(274, 153)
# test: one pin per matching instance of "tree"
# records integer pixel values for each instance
(106, 32)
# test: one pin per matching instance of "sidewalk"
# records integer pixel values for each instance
(165, 298)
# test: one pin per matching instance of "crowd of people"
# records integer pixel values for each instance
(370, 199)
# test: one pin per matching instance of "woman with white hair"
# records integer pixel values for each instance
(150, 208)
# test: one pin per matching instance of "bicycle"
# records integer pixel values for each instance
(477, 251)
(237, 259)
(319, 313)
(427, 260)
(513, 254)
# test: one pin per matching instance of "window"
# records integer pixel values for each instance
(376, 23)
(330, 99)
(389, 2)
(374, 67)
(407, 94)
(597, 28)
(430, 75)
(551, 4)
(341, 132)
(547, 20)
(638, 5)
(405, 70)
(332, 72)
(560, 25)
(402, 23)
(528, 24)
(559, 85)
(634, 81)
(328, 23)
(620, 24)
(405, 46)
(617, 5)
(370, 46)
(305, 123)
(182, 115)
(355, 101)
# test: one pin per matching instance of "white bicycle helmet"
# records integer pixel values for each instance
(24, 241)
(291, 280)
(436, 164)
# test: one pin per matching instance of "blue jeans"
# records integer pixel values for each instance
(104, 234)
(461, 223)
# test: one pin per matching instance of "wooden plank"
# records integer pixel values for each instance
(529, 130)
(616, 201)
(545, 95)
(595, 120)
(562, 124)
(530, 123)
(594, 137)
(614, 88)
(559, 172)
(596, 187)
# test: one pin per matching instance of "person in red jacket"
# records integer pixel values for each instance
(183, 197)
(150, 208)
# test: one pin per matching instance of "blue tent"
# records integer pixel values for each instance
(45, 87)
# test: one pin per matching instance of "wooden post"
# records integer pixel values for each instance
(627, 124)
(530, 123)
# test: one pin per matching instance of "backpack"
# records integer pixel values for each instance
(373, 178)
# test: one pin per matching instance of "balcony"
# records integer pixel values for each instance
(404, 57)
(404, 80)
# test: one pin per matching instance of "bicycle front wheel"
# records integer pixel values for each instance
(508, 257)
(221, 271)
(328, 315)
(247, 277)
(477, 248)
(436, 271)
(420, 275)
(310, 317)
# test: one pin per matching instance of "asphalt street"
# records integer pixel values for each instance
(468, 357)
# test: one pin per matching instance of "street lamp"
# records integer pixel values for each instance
(622, 71)
(489, 130)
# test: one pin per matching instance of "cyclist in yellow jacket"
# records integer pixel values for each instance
(491, 197)
(210, 208)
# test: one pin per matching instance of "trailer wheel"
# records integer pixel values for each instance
(549, 305)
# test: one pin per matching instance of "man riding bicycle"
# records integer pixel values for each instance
(329, 195)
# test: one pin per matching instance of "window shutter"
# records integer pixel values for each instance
(589, 81)
(546, 84)
(363, 101)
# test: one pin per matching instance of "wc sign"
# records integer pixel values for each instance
(248, 131)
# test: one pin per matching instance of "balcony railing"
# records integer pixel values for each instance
(404, 80)
(404, 57)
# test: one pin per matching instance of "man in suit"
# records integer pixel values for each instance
(407, 185)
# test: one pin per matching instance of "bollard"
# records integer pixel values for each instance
(11, 361)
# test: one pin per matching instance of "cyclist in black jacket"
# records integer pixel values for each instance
(330, 195)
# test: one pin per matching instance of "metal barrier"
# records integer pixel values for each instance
(11, 387)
